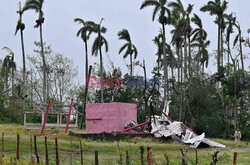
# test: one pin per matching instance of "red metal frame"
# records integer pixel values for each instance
(128, 129)
(94, 119)
(164, 114)
(45, 119)
(71, 105)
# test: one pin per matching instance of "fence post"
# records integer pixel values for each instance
(166, 157)
(2, 144)
(127, 158)
(96, 158)
(57, 154)
(150, 159)
(31, 149)
(142, 153)
(121, 158)
(196, 156)
(46, 150)
(70, 156)
(215, 160)
(37, 156)
(18, 147)
(183, 156)
(235, 158)
(81, 152)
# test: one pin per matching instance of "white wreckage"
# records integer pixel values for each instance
(163, 126)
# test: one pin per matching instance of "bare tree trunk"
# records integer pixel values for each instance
(165, 63)
(101, 69)
(86, 61)
(222, 47)
(131, 65)
(218, 50)
(241, 53)
(185, 58)
(24, 64)
(44, 68)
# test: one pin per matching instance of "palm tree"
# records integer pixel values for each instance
(199, 37)
(131, 49)
(217, 8)
(99, 42)
(239, 39)
(37, 5)
(21, 26)
(158, 41)
(9, 64)
(161, 9)
(230, 24)
(84, 32)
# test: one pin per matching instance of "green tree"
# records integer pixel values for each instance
(131, 49)
(217, 8)
(99, 42)
(37, 5)
(160, 7)
(21, 26)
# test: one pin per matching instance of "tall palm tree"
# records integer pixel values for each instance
(184, 29)
(158, 41)
(230, 24)
(84, 32)
(239, 39)
(160, 7)
(131, 49)
(217, 8)
(99, 42)
(21, 26)
(37, 5)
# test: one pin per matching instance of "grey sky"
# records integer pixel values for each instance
(60, 30)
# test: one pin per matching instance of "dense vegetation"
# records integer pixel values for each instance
(216, 104)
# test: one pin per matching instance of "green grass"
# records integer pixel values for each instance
(109, 152)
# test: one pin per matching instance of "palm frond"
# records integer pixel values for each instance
(236, 39)
(147, 3)
(123, 47)
(8, 50)
(156, 10)
(135, 52)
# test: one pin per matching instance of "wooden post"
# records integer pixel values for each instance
(127, 158)
(150, 159)
(121, 158)
(18, 147)
(31, 149)
(96, 158)
(184, 156)
(46, 150)
(235, 158)
(2, 144)
(215, 160)
(37, 156)
(166, 157)
(57, 154)
(81, 152)
(70, 149)
(196, 156)
(142, 153)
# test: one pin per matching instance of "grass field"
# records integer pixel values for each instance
(109, 152)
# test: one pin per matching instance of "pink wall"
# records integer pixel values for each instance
(109, 117)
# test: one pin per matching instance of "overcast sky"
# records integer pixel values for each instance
(60, 30)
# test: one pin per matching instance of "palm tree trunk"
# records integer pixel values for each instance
(218, 50)
(131, 66)
(86, 61)
(222, 47)
(241, 53)
(24, 64)
(44, 67)
(101, 69)
(185, 58)
(165, 63)
(189, 57)
(178, 56)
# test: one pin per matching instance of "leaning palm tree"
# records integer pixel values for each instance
(131, 49)
(217, 8)
(21, 26)
(99, 42)
(84, 32)
(37, 5)
(161, 9)
(240, 40)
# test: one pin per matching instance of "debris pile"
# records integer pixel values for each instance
(163, 126)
